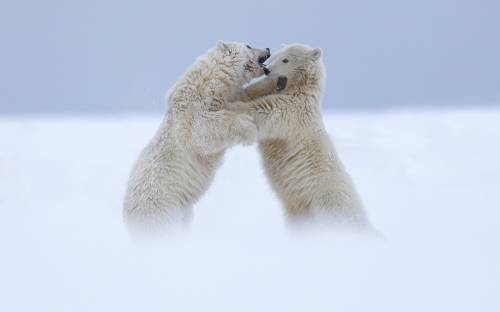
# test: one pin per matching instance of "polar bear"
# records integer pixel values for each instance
(177, 166)
(298, 157)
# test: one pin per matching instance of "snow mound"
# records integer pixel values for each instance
(429, 180)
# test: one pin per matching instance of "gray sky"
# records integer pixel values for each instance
(122, 56)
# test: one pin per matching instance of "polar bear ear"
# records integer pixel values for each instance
(221, 45)
(316, 54)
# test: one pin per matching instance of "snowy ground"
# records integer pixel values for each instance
(430, 181)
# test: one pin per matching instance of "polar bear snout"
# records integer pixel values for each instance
(263, 57)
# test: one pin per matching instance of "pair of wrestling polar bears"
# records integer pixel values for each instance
(208, 111)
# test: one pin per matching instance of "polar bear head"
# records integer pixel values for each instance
(296, 68)
(245, 60)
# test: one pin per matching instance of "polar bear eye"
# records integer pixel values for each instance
(248, 46)
(285, 60)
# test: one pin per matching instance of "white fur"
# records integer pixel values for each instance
(179, 163)
(299, 159)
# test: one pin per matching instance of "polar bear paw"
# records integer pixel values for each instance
(245, 129)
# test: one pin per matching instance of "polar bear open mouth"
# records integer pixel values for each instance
(258, 66)
(281, 83)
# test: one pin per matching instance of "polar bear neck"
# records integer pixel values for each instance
(308, 82)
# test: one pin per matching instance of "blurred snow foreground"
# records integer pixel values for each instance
(429, 180)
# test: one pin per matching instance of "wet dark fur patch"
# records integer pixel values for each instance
(248, 67)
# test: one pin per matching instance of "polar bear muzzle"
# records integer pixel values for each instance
(264, 57)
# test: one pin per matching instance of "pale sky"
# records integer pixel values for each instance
(122, 56)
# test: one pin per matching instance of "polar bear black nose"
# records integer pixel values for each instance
(266, 70)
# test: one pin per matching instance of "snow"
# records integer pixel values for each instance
(429, 180)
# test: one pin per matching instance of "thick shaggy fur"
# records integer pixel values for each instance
(179, 163)
(299, 159)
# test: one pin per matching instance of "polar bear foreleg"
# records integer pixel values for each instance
(216, 131)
